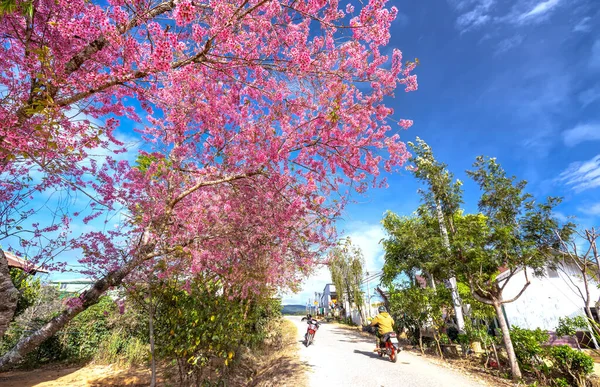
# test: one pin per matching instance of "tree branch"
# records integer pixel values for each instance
(518, 295)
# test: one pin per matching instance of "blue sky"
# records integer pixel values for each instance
(516, 80)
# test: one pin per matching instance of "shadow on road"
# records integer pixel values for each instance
(369, 354)
(352, 337)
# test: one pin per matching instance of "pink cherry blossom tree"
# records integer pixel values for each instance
(258, 117)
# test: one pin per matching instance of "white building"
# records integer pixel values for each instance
(73, 285)
(328, 299)
(547, 298)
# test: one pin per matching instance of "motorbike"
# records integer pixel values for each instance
(313, 325)
(388, 345)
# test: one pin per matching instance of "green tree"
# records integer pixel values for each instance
(346, 265)
(442, 200)
(420, 307)
(513, 234)
(568, 326)
(413, 246)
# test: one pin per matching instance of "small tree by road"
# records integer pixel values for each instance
(346, 264)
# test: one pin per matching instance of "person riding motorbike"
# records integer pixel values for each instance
(385, 325)
(309, 320)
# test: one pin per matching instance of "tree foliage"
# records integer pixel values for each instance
(513, 235)
(346, 264)
(442, 189)
(29, 289)
(255, 113)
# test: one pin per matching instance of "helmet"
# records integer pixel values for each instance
(381, 309)
(308, 316)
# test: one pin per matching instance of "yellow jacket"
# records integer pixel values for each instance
(385, 321)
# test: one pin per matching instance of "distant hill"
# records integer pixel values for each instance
(294, 310)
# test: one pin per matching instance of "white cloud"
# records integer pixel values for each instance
(315, 283)
(539, 9)
(509, 43)
(582, 175)
(478, 15)
(560, 216)
(367, 237)
(594, 209)
(583, 25)
(581, 133)
(589, 96)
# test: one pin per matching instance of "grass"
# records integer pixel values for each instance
(277, 363)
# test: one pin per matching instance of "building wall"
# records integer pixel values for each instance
(329, 295)
(546, 299)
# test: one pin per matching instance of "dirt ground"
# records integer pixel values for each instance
(276, 365)
(89, 375)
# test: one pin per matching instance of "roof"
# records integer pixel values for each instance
(20, 263)
(82, 281)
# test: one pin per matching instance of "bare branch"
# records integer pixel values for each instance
(518, 295)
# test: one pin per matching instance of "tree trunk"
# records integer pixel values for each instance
(512, 358)
(592, 326)
(496, 354)
(439, 347)
(9, 295)
(451, 283)
(88, 298)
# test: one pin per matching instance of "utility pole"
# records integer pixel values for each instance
(368, 298)
(451, 283)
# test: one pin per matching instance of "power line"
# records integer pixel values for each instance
(372, 277)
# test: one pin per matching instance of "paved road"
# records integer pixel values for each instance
(341, 357)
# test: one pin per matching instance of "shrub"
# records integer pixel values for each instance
(560, 382)
(444, 339)
(568, 326)
(29, 289)
(86, 332)
(528, 344)
(529, 349)
(574, 366)
(202, 328)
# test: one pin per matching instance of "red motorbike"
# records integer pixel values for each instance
(388, 346)
(313, 325)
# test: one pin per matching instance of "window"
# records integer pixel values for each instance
(63, 286)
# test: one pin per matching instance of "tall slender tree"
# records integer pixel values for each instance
(346, 264)
(442, 198)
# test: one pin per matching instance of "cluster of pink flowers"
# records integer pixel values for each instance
(242, 91)
(184, 12)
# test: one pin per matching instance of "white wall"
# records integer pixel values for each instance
(545, 300)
